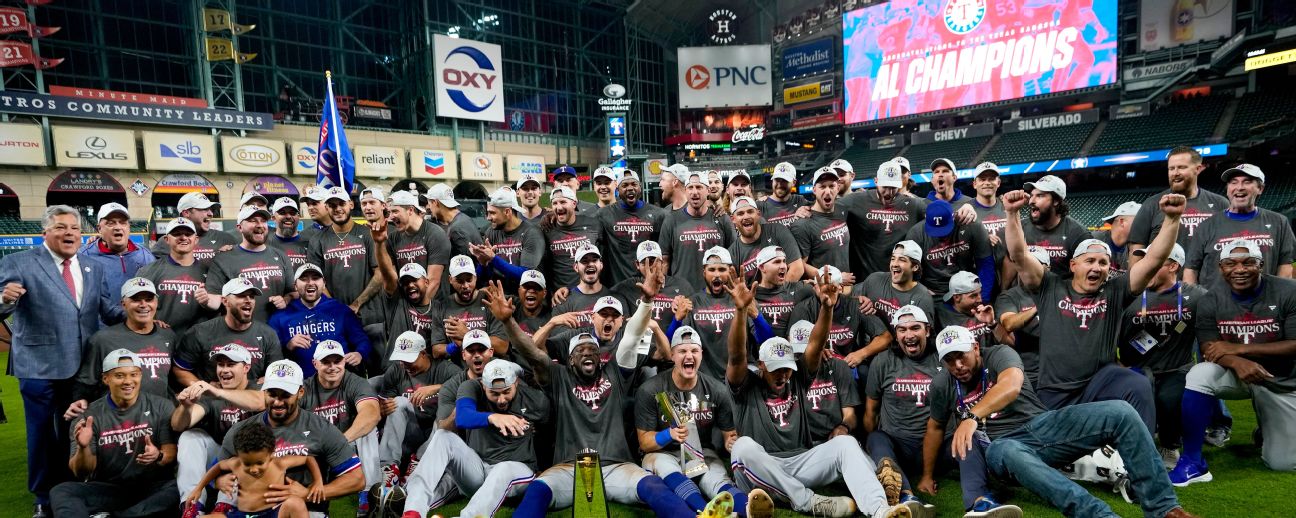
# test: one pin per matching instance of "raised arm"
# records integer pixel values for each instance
(827, 293)
(502, 309)
(386, 268)
(1029, 271)
(627, 350)
(1140, 274)
(736, 370)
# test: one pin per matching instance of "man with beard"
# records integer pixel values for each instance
(943, 179)
(687, 233)
(410, 297)
(1018, 316)
(754, 235)
(952, 247)
(845, 173)
(783, 206)
(475, 356)
(989, 211)
(572, 230)
(1117, 238)
(565, 176)
(1246, 333)
(409, 402)
(192, 361)
(1242, 220)
(267, 268)
(1158, 339)
(346, 254)
(1000, 417)
(516, 241)
(533, 301)
(673, 195)
(776, 296)
(823, 237)
(113, 251)
(416, 241)
(348, 402)
(589, 397)
(896, 411)
(737, 185)
(1051, 228)
(460, 229)
(140, 335)
(626, 225)
(878, 219)
(648, 255)
(704, 401)
(776, 450)
(315, 318)
(589, 289)
(831, 390)
(197, 208)
(205, 412)
(604, 177)
(298, 432)
(1183, 164)
(964, 306)
(529, 191)
(123, 450)
(711, 310)
(499, 415)
(461, 312)
(715, 186)
(314, 197)
(286, 238)
(179, 278)
(606, 327)
(1078, 362)
(886, 292)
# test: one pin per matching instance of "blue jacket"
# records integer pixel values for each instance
(116, 268)
(328, 320)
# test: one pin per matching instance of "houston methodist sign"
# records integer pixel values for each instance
(737, 75)
(469, 79)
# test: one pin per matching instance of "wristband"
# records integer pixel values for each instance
(663, 437)
(452, 348)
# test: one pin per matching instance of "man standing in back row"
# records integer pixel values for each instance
(1183, 165)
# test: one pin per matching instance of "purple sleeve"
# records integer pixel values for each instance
(986, 271)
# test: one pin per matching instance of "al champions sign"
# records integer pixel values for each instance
(469, 79)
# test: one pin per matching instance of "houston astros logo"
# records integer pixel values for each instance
(962, 16)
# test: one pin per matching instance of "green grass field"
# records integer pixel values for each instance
(1242, 486)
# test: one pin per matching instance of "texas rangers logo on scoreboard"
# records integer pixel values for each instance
(962, 16)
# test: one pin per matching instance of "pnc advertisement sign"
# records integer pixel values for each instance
(469, 79)
(737, 75)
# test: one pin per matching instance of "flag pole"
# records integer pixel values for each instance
(336, 122)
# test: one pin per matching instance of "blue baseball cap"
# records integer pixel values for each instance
(940, 219)
(566, 169)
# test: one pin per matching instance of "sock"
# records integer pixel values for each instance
(364, 500)
(535, 503)
(653, 491)
(687, 490)
(740, 499)
(1197, 411)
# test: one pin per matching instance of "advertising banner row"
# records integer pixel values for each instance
(100, 148)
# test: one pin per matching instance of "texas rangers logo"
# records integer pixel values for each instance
(962, 16)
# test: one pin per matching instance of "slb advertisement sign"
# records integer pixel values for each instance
(179, 152)
(519, 165)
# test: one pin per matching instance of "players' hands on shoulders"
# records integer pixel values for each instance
(965, 214)
(866, 306)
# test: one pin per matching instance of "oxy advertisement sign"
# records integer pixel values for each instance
(304, 155)
(94, 147)
(737, 75)
(469, 79)
(179, 152)
(248, 155)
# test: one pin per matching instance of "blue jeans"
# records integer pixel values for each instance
(1059, 437)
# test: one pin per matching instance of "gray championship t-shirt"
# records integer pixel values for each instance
(779, 422)
(493, 446)
(902, 385)
(1270, 230)
(563, 242)
(462, 232)
(428, 245)
(993, 219)
(711, 317)
(1059, 242)
(1026, 341)
(824, 239)
(474, 316)
(1160, 331)
(662, 304)
(524, 246)
(622, 229)
(887, 299)
(744, 254)
(582, 304)
(850, 330)
(175, 285)
(876, 229)
(831, 389)
(1082, 328)
(945, 256)
(783, 213)
(778, 303)
(154, 349)
(118, 434)
(204, 248)
(1147, 223)
(684, 238)
(1269, 317)
(397, 382)
(709, 403)
(337, 405)
(196, 346)
(269, 270)
(294, 248)
(946, 316)
(221, 415)
(348, 263)
(591, 415)
(946, 399)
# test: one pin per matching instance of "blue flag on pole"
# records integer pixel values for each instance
(335, 166)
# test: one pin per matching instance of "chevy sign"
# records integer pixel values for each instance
(808, 59)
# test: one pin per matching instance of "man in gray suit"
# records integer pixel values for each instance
(46, 289)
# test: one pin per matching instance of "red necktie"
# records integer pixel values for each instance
(67, 277)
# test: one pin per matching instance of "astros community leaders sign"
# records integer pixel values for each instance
(30, 103)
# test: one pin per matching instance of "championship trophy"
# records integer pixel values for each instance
(589, 501)
(677, 413)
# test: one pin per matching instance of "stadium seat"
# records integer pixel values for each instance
(960, 151)
(1185, 122)
(867, 160)
(1256, 109)
(1039, 145)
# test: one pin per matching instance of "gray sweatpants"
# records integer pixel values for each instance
(195, 453)
(367, 449)
(402, 434)
(1276, 411)
(792, 478)
(715, 477)
(448, 468)
(620, 483)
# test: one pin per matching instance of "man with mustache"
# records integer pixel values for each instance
(498, 414)
(604, 177)
(347, 401)
(286, 237)
(754, 235)
(266, 268)
(845, 176)
(1183, 165)
(625, 225)
(572, 229)
(687, 233)
(179, 278)
(315, 318)
(783, 206)
(197, 208)
(649, 254)
(1078, 362)
(123, 450)
(298, 432)
(118, 256)
(410, 293)
(887, 291)
(879, 218)
(475, 356)
(715, 186)
(192, 360)
(345, 251)
(706, 402)
(416, 241)
(529, 189)
(823, 237)
(711, 310)
(532, 300)
(738, 184)
(565, 176)
(776, 450)
(463, 311)
(1051, 228)
(897, 408)
(1243, 219)
(206, 411)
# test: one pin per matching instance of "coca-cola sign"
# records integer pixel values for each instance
(752, 134)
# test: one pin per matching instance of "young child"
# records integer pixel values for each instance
(256, 468)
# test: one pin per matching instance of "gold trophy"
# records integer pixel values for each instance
(677, 413)
(589, 501)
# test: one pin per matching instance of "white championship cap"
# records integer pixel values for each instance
(285, 202)
(1128, 208)
(336, 193)
(720, 254)
(785, 171)
(250, 211)
(647, 249)
(238, 286)
(443, 194)
(407, 347)
(562, 191)
(375, 193)
(284, 375)
(842, 165)
(606, 302)
(121, 358)
(586, 249)
(741, 202)
(476, 337)
(180, 223)
(108, 209)
(137, 285)
(461, 264)
(1048, 183)
(909, 311)
(582, 338)
(821, 173)
(954, 339)
(1243, 169)
(768, 254)
(232, 352)
(945, 162)
(413, 271)
(889, 175)
(328, 348)
(499, 374)
(405, 199)
(685, 335)
(505, 198)
(1091, 246)
(908, 248)
(532, 277)
(799, 335)
(962, 282)
(776, 353)
(307, 267)
(1252, 250)
(195, 200)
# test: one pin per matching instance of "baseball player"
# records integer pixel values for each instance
(461, 312)
(193, 360)
(648, 254)
(178, 277)
(754, 235)
(777, 295)
(571, 230)
(626, 225)
(286, 237)
(822, 237)
(897, 285)
(268, 268)
(415, 241)
(1243, 219)
(140, 334)
(315, 318)
(964, 306)
(348, 402)
(686, 234)
(711, 310)
(579, 300)
(783, 206)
